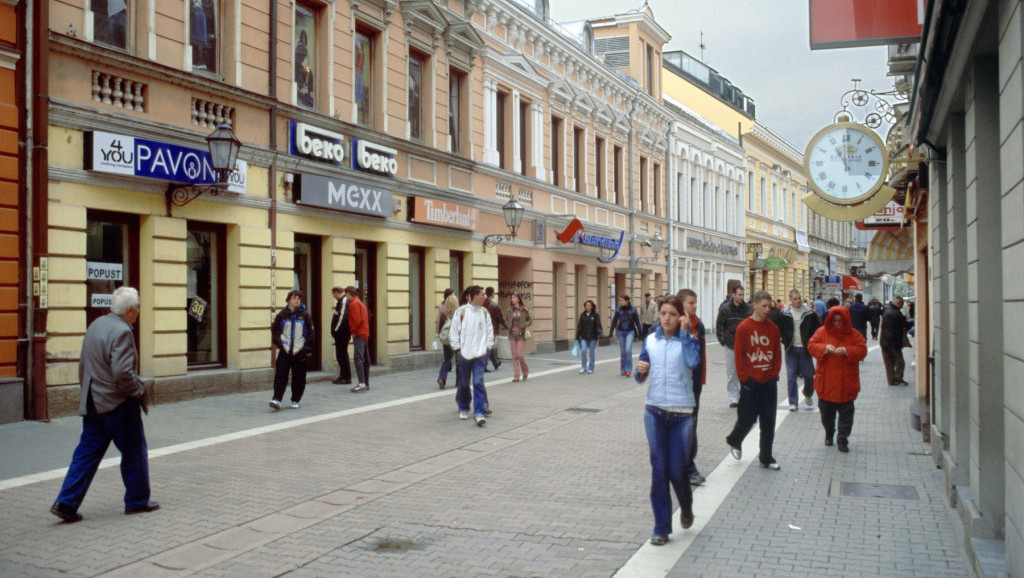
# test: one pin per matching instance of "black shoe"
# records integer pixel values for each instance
(828, 440)
(487, 370)
(844, 446)
(686, 518)
(440, 383)
(65, 513)
(149, 507)
(497, 366)
(697, 479)
(734, 405)
(659, 540)
(901, 382)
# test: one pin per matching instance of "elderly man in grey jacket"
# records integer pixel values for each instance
(113, 399)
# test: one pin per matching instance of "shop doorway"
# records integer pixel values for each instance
(111, 254)
(417, 299)
(366, 284)
(308, 280)
(205, 294)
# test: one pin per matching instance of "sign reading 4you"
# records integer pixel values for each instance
(127, 155)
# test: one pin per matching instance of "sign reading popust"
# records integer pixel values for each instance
(127, 155)
(343, 195)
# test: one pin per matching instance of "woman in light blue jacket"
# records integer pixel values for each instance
(669, 355)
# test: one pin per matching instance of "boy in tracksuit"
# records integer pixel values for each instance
(292, 333)
(758, 361)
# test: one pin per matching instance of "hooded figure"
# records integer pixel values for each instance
(838, 349)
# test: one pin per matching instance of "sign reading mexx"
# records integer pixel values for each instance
(342, 195)
(127, 155)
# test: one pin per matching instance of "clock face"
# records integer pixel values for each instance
(846, 163)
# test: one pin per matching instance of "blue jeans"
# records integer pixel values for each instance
(123, 426)
(587, 354)
(625, 350)
(472, 369)
(669, 436)
(799, 363)
(446, 363)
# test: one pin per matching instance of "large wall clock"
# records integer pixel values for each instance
(846, 165)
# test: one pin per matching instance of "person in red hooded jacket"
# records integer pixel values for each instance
(838, 349)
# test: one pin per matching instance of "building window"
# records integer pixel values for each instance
(750, 191)
(763, 209)
(110, 22)
(500, 102)
(362, 69)
(305, 56)
(650, 70)
(617, 173)
(599, 168)
(205, 297)
(203, 26)
(525, 144)
(657, 190)
(416, 66)
(579, 159)
(455, 106)
(111, 254)
(643, 184)
(557, 152)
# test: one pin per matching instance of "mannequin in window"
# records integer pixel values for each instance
(197, 36)
(303, 75)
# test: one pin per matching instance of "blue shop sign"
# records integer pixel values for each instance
(128, 155)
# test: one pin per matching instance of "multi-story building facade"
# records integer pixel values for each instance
(13, 288)
(380, 140)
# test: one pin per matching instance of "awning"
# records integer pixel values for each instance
(851, 283)
(891, 252)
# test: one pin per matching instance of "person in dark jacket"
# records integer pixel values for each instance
(839, 350)
(894, 328)
(588, 329)
(293, 336)
(794, 341)
(625, 326)
(730, 315)
(859, 315)
(342, 336)
(874, 316)
(498, 319)
(700, 373)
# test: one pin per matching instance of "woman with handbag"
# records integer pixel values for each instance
(518, 318)
(451, 303)
(588, 329)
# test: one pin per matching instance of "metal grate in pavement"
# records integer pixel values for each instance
(582, 410)
(886, 491)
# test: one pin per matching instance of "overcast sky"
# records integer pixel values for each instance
(762, 47)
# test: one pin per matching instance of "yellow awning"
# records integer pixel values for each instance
(891, 252)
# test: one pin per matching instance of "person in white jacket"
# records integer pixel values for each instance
(472, 336)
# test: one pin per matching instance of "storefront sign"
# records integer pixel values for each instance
(708, 245)
(889, 217)
(775, 263)
(444, 214)
(316, 143)
(833, 282)
(103, 271)
(342, 195)
(801, 241)
(374, 158)
(575, 233)
(127, 155)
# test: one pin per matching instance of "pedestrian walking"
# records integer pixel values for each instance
(111, 404)
(859, 315)
(689, 299)
(625, 325)
(874, 316)
(668, 357)
(758, 360)
(892, 339)
(498, 319)
(472, 336)
(839, 349)
(451, 303)
(519, 322)
(293, 335)
(820, 308)
(796, 327)
(359, 323)
(648, 315)
(342, 335)
(588, 330)
(730, 314)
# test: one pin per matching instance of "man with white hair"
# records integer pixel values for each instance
(112, 401)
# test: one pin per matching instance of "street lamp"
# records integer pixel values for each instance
(656, 243)
(224, 147)
(513, 218)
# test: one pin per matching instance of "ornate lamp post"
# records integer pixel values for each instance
(513, 218)
(224, 147)
(656, 243)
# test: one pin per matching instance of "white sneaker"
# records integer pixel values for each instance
(583, 370)
(463, 415)
(808, 400)
(295, 405)
(480, 421)
(590, 371)
(793, 407)
(275, 404)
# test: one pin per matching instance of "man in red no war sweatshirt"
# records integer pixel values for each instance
(758, 361)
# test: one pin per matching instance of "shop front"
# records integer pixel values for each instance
(706, 262)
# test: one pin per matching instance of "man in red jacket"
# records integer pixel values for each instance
(758, 348)
(359, 322)
(839, 350)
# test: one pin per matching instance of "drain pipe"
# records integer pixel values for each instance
(272, 171)
(26, 307)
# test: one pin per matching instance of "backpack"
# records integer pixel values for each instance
(446, 330)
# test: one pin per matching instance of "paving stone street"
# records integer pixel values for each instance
(391, 483)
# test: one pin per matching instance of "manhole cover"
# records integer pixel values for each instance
(582, 410)
(888, 491)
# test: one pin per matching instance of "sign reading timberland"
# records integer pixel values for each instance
(444, 214)
(342, 195)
